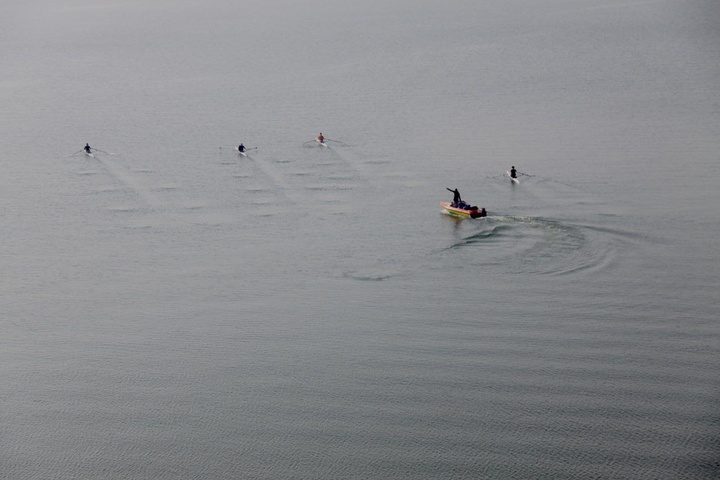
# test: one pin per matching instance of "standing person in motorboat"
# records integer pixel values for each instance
(320, 138)
(457, 201)
(241, 148)
(87, 148)
(513, 172)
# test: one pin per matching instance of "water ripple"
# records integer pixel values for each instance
(535, 245)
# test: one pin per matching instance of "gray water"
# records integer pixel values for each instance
(173, 310)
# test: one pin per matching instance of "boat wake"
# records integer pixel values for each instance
(126, 177)
(540, 246)
(369, 276)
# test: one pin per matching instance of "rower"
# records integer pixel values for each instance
(513, 172)
(320, 138)
(241, 148)
(87, 148)
(456, 197)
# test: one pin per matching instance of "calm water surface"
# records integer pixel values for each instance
(173, 310)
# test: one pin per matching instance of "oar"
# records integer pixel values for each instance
(73, 154)
(103, 151)
(234, 147)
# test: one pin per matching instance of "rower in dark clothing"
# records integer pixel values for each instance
(513, 172)
(456, 197)
(87, 148)
(241, 148)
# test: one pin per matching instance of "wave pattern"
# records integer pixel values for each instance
(535, 245)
